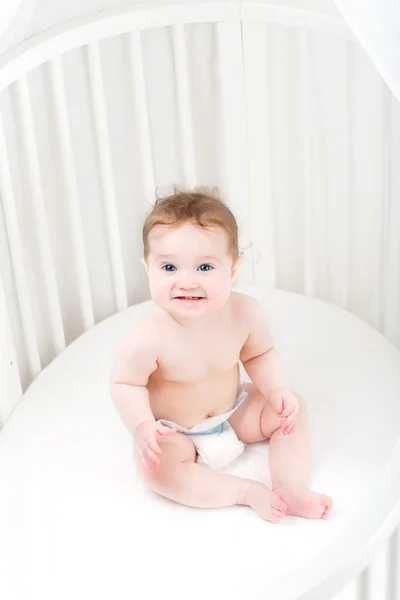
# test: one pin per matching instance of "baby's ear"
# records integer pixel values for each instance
(144, 263)
(236, 266)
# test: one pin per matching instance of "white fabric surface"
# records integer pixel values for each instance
(376, 24)
(76, 521)
(7, 11)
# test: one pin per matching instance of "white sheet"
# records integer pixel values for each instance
(76, 521)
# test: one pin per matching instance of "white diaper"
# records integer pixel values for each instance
(216, 450)
(214, 439)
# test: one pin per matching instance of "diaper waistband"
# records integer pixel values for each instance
(211, 425)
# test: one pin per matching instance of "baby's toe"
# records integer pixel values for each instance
(276, 516)
(278, 503)
(326, 502)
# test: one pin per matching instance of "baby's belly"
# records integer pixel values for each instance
(190, 403)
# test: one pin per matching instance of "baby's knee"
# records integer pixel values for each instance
(164, 476)
(158, 476)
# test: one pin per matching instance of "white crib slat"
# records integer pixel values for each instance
(363, 585)
(184, 110)
(386, 233)
(340, 255)
(365, 284)
(309, 263)
(140, 99)
(106, 174)
(376, 577)
(10, 381)
(17, 258)
(391, 253)
(38, 207)
(256, 65)
(234, 167)
(394, 566)
(71, 190)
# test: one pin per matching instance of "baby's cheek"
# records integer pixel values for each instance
(159, 291)
(219, 294)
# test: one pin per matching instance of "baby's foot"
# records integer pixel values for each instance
(302, 502)
(267, 504)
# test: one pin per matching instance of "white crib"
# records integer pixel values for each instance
(279, 106)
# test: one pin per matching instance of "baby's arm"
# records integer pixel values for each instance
(264, 366)
(258, 355)
(135, 361)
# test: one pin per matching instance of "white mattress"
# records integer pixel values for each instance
(76, 521)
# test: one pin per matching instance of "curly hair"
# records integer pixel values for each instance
(200, 206)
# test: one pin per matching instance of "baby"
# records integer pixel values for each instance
(176, 380)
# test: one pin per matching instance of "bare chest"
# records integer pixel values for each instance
(187, 358)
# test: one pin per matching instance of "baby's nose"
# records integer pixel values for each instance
(187, 284)
(187, 281)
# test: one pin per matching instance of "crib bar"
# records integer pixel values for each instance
(232, 116)
(377, 576)
(394, 565)
(140, 101)
(340, 252)
(17, 258)
(256, 67)
(106, 174)
(39, 208)
(386, 267)
(309, 267)
(391, 253)
(71, 191)
(10, 381)
(363, 586)
(184, 110)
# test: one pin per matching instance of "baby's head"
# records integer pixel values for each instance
(191, 252)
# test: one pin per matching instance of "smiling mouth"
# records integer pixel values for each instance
(189, 298)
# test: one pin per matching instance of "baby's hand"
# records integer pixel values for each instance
(146, 436)
(287, 407)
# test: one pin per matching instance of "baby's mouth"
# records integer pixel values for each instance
(193, 298)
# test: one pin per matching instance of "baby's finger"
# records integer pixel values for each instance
(150, 455)
(287, 408)
(287, 425)
(154, 446)
(162, 430)
(279, 407)
(289, 421)
(288, 430)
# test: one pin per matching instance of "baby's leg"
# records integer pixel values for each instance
(256, 420)
(181, 479)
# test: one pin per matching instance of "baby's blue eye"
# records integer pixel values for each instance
(205, 267)
(169, 268)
